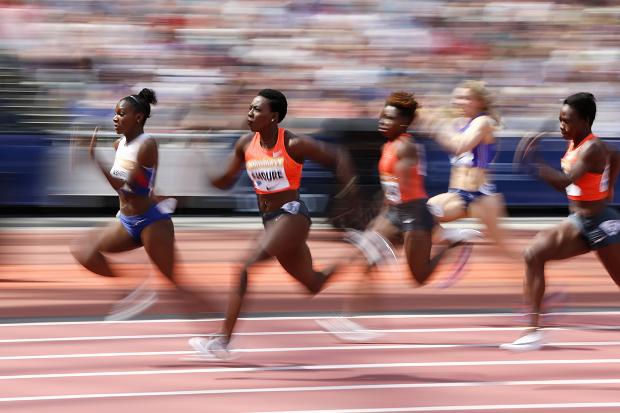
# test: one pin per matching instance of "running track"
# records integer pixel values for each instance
(438, 352)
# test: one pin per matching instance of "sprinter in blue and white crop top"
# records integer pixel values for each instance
(126, 163)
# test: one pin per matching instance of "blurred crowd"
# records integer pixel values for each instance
(64, 62)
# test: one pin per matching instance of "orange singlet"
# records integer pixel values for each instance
(591, 186)
(399, 189)
(271, 170)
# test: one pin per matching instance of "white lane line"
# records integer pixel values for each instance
(308, 317)
(97, 355)
(318, 389)
(275, 318)
(308, 367)
(94, 338)
(464, 408)
(255, 333)
(356, 347)
(301, 333)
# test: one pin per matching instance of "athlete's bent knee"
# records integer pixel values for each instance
(78, 251)
(419, 281)
(533, 257)
(93, 261)
(82, 255)
(317, 285)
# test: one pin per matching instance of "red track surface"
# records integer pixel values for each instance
(421, 363)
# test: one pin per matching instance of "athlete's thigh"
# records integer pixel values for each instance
(287, 233)
(418, 244)
(298, 263)
(487, 207)
(447, 207)
(158, 241)
(385, 228)
(112, 238)
(558, 243)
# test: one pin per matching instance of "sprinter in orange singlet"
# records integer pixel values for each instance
(405, 212)
(402, 169)
(589, 172)
(273, 159)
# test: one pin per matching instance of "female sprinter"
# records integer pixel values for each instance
(471, 142)
(273, 158)
(141, 221)
(405, 212)
(589, 172)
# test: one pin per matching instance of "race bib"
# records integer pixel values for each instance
(391, 189)
(573, 190)
(268, 174)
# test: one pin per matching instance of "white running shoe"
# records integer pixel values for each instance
(454, 236)
(376, 249)
(348, 330)
(136, 302)
(215, 347)
(532, 341)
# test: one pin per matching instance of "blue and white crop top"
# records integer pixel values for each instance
(126, 161)
(479, 156)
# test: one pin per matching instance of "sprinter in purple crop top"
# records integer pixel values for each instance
(471, 142)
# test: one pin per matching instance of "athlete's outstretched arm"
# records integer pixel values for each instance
(407, 154)
(230, 172)
(456, 142)
(330, 156)
(147, 157)
(614, 169)
(116, 183)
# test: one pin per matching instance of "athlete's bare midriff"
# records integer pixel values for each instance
(273, 202)
(134, 204)
(467, 178)
(587, 208)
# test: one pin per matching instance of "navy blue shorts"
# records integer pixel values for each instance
(135, 224)
(410, 216)
(470, 196)
(290, 208)
(601, 230)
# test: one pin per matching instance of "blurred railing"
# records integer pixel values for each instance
(54, 171)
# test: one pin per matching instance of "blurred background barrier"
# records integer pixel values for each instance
(184, 164)
(65, 63)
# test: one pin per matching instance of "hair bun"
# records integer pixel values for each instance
(148, 95)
